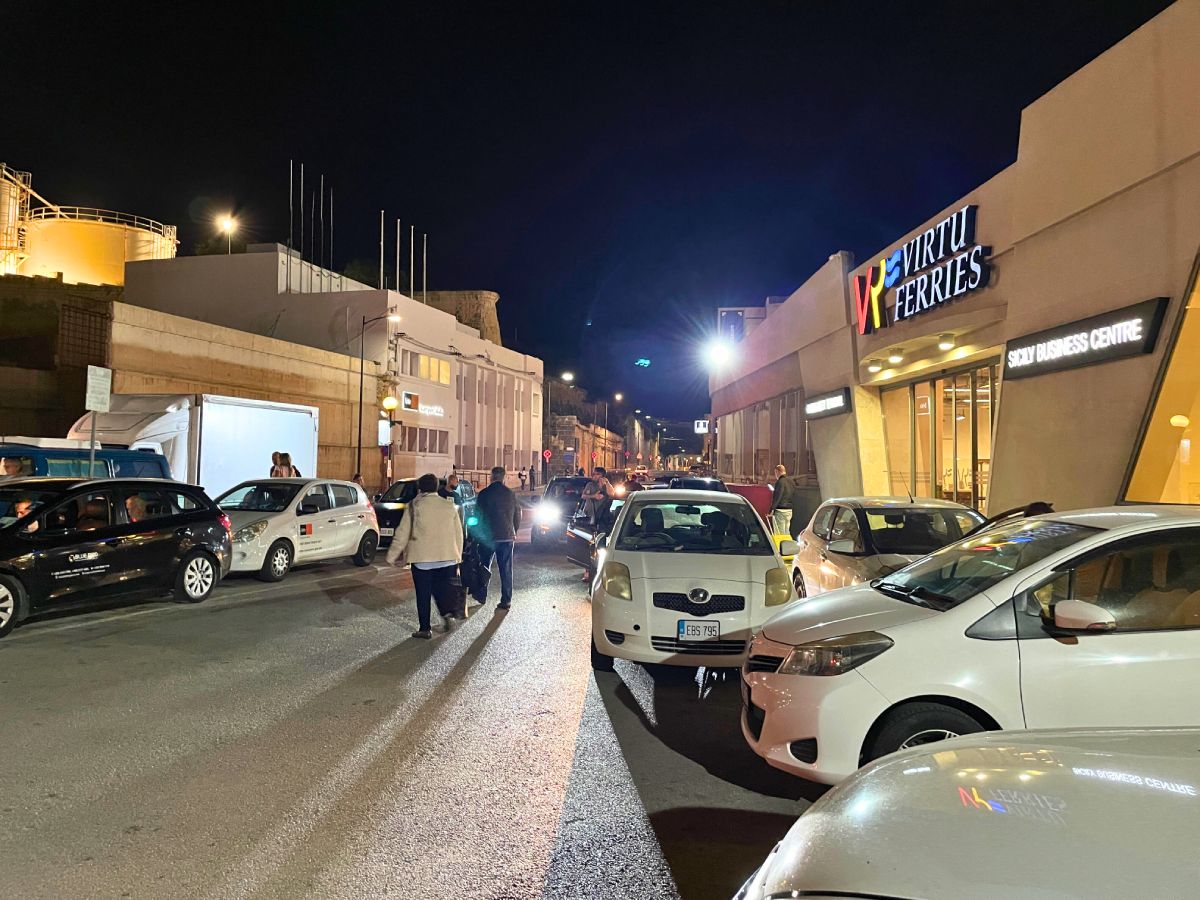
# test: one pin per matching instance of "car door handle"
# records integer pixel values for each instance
(331, 521)
(361, 516)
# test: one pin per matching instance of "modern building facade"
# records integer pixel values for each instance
(1037, 339)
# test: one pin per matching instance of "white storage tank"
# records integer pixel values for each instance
(91, 246)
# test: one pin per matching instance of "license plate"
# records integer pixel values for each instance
(387, 532)
(693, 630)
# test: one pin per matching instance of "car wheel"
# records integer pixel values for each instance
(11, 601)
(798, 583)
(198, 576)
(915, 724)
(366, 549)
(278, 562)
(600, 662)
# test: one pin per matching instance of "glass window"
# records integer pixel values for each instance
(344, 494)
(87, 512)
(76, 468)
(896, 425)
(947, 577)
(16, 466)
(400, 492)
(915, 531)
(317, 496)
(16, 503)
(143, 505)
(673, 527)
(423, 366)
(1167, 467)
(443, 442)
(823, 520)
(1148, 584)
(845, 528)
(259, 496)
(444, 371)
(423, 440)
(149, 467)
(184, 502)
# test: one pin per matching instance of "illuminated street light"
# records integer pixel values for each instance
(619, 397)
(637, 412)
(228, 224)
(718, 353)
(568, 377)
(389, 403)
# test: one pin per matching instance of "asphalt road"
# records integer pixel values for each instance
(293, 740)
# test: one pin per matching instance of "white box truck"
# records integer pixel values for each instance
(215, 442)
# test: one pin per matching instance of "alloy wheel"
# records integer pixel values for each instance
(8, 605)
(280, 560)
(198, 577)
(928, 736)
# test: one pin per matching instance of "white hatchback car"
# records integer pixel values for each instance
(279, 522)
(1085, 813)
(683, 579)
(1088, 618)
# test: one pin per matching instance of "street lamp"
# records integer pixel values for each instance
(718, 353)
(228, 224)
(392, 316)
(568, 377)
(619, 397)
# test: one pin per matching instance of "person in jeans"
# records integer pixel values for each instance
(499, 521)
(430, 539)
(781, 502)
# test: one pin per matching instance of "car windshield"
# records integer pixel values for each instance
(566, 488)
(16, 503)
(953, 574)
(400, 492)
(259, 496)
(671, 526)
(916, 531)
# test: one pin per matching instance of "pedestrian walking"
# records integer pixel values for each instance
(521, 475)
(781, 502)
(430, 539)
(532, 479)
(499, 521)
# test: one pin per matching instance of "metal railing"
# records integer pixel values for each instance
(84, 214)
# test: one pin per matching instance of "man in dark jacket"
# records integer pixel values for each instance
(781, 502)
(499, 521)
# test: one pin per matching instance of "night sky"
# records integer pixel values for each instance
(615, 171)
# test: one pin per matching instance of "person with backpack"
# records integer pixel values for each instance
(430, 539)
(782, 498)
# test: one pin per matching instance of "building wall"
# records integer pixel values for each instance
(476, 309)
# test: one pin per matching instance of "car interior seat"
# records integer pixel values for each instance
(94, 514)
(652, 520)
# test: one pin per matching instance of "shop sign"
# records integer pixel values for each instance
(1130, 331)
(940, 264)
(700, 426)
(832, 404)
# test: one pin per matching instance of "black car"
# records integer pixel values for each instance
(556, 508)
(67, 541)
(390, 505)
(698, 483)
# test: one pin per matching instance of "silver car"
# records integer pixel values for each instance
(1085, 813)
(855, 539)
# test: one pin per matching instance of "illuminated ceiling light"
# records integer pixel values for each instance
(1180, 421)
(946, 342)
(874, 366)
(896, 356)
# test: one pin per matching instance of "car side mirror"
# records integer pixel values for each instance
(844, 547)
(602, 542)
(1078, 615)
(307, 509)
(788, 548)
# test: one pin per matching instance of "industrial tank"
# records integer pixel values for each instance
(91, 246)
(13, 200)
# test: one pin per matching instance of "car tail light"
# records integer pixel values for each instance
(223, 518)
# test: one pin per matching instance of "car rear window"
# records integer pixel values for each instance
(400, 492)
(915, 531)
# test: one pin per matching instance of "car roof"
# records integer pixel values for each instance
(66, 482)
(1110, 517)
(681, 494)
(899, 502)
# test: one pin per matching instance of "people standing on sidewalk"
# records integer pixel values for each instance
(430, 539)
(781, 502)
(521, 475)
(532, 479)
(499, 521)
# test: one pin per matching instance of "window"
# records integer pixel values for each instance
(845, 528)
(823, 520)
(259, 496)
(400, 492)
(184, 502)
(344, 494)
(317, 496)
(915, 531)
(444, 371)
(1148, 583)
(142, 505)
(672, 527)
(16, 466)
(150, 467)
(1167, 466)
(423, 366)
(17, 503)
(76, 468)
(87, 512)
(443, 442)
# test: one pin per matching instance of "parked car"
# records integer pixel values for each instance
(698, 483)
(1086, 618)
(60, 458)
(556, 508)
(854, 539)
(390, 504)
(584, 535)
(684, 579)
(1077, 813)
(67, 541)
(279, 522)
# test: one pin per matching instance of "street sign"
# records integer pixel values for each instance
(627, 454)
(98, 397)
(546, 454)
(595, 455)
(639, 456)
(700, 426)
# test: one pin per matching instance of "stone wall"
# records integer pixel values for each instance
(476, 309)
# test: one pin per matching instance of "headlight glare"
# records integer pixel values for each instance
(779, 587)
(836, 655)
(615, 579)
(547, 513)
(250, 532)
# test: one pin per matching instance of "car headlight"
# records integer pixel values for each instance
(615, 578)
(547, 514)
(779, 586)
(836, 655)
(251, 532)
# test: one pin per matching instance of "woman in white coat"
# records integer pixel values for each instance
(430, 539)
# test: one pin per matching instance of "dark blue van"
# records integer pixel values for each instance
(28, 460)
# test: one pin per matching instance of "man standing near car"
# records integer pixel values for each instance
(499, 521)
(781, 502)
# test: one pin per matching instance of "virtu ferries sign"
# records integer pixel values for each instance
(940, 264)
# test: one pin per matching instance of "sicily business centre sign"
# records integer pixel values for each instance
(940, 264)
